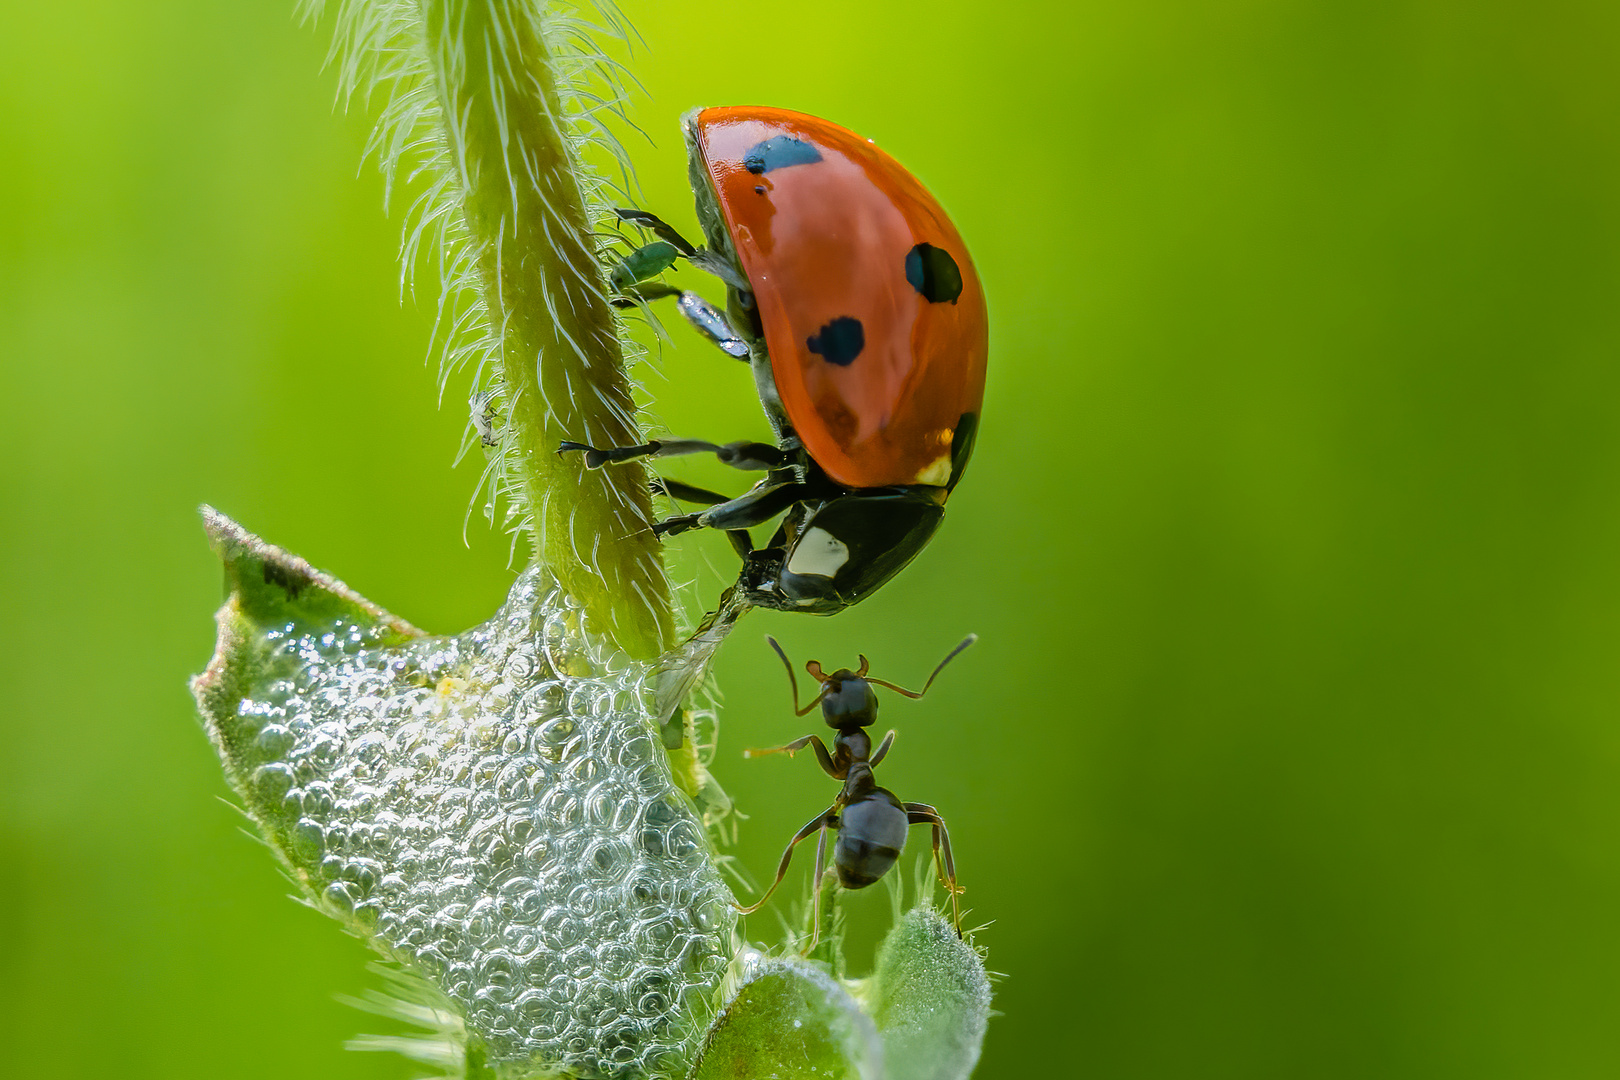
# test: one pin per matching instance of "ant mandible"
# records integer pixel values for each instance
(870, 821)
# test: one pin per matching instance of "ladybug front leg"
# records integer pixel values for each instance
(705, 318)
(700, 257)
(712, 323)
(632, 280)
(658, 227)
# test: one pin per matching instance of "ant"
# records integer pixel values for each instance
(870, 822)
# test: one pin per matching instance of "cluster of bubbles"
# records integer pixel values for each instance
(495, 810)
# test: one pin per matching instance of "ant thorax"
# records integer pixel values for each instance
(852, 745)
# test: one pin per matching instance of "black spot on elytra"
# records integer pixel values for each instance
(778, 152)
(933, 273)
(840, 341)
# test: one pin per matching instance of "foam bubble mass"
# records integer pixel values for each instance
(496, 810)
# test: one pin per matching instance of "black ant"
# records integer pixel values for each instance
(870, 822)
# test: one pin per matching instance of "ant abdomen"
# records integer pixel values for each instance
(871, 835)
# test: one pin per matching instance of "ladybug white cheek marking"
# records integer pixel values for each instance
(818, 554)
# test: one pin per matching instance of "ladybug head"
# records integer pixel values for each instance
(840, 551)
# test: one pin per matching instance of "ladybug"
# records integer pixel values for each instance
(853, 299)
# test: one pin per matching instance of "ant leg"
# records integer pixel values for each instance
(758, 506)
(923, 814)
(883, 749)
(820, 821)
(813, 741)
(790, 749)
(653, 448)
(744, 455)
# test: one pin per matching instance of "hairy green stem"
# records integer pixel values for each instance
(555, 338)
(828, 929)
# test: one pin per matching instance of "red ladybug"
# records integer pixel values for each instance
(853, 298)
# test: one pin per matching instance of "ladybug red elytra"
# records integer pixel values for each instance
(854, 300)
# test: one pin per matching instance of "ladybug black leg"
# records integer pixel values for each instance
(741, 542)
(748, 456)
(712, 323)
(744, 512)
(657, 226)
(679, 489)
(595, 459)
(642, 292)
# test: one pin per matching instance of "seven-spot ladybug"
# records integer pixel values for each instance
(854, 300)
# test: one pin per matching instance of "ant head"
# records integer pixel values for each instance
(846, 698)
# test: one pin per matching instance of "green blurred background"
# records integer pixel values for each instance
(1293, 536)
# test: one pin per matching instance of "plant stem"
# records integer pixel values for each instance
(828, 929)
(559, 356)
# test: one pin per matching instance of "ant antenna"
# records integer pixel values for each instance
(812, 667)
(970, 639)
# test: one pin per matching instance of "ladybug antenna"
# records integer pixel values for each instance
(865, 666)
(970, 639)
(812, 667)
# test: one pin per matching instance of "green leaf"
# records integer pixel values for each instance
(492, 810)
(791, 1021)
(930, 999)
